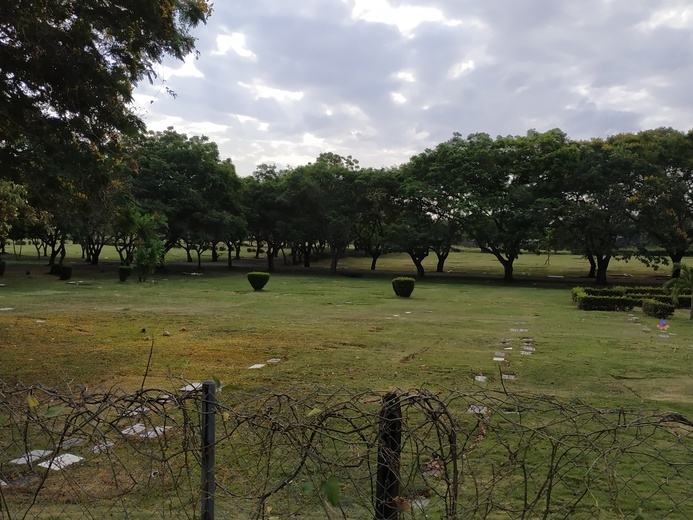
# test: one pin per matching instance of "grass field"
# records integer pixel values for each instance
(339, 331)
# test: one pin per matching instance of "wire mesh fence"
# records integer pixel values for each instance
(72, 453)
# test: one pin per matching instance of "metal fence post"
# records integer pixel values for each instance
(389, 448)
(209, 400)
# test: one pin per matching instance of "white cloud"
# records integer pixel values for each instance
(679, 17)
(259, 90)
(188, 69)
(405, 75)
(460, 68)
(398, 98)
(405, 17)
(232, 42)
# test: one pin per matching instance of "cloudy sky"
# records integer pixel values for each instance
(279, 81)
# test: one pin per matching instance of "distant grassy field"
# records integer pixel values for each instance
(334, 332)
(465, 261)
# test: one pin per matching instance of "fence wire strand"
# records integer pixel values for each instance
(74, 453)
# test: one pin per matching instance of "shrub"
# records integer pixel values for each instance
(589, 302)
(646, 290)
(258, 279)
(403, 286)
(148, 255)
(65, 272)
(657, 309)
(124, 272)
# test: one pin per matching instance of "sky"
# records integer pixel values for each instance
(280, 81)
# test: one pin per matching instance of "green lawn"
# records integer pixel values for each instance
(334, 332)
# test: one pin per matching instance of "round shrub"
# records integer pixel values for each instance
(258, 279)
(65, 272)
(403, 286)
(657, 309)
(124, 272)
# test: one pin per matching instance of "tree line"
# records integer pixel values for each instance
(625, 196)
(76, 163)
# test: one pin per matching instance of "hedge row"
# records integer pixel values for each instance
(621, 298)
(657, 309)
(590, 302)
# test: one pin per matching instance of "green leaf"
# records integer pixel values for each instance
(307, 488)
(314, 411)
(217, 383)
(33, 402)
(330, 488)
(54, 411)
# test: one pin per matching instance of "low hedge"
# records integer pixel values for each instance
(589, 302)
(258, 279)
(657, 309)
(403, 286)
(623, 298)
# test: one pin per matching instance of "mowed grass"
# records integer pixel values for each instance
(335, 332)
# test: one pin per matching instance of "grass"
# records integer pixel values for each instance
(334, 331)
(338, 332)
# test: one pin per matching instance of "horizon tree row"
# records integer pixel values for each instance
(629, 195)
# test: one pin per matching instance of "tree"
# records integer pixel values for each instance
(375, 192)
(682, 284)
(68, 68)
(263, 195)
(12, 199)
(593, 212)
(662, 200)
(185, 180)
(504, 189)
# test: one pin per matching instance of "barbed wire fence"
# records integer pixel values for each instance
(70, 452)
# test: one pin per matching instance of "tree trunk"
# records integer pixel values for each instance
(418, 262)
(270, 258)
(676, 259)
(215, 253)
(593, 266)
(199, 259)
(507, 270)
(690, 317)
(335, 259)
(602, 266)
(238, 252)
(229, 260)
(375, 257)
(441, 261)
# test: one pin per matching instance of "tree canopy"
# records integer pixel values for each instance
(69, 67)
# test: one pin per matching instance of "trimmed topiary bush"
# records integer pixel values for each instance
(65, 272)
(403, 286)
(124, 272)
(258, 279)
(657, 309)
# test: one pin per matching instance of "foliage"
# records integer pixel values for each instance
(12, 199)
(258, 279)
(682, 284)
(587, 302)
(149, 254)
(403, 286)
(657, 309)
(69, 67)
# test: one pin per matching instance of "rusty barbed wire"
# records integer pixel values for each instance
(314, 454)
